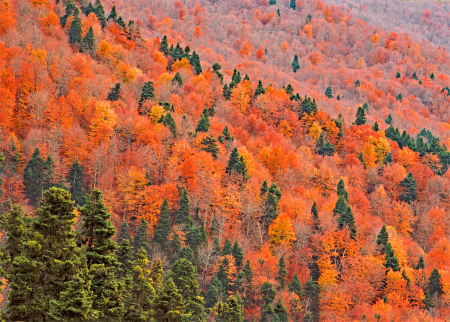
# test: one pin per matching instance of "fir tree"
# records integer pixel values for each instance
(391, 259)
(184, 210)
(433, 290)
(280, 311)
(389, 119)
(420, 264)
(148, 179)
(204, 123)
(293, 4)
(230, 311)
(338, 97)
(88, 42)
(169, 304)
(48, 173)
(162, 230)
(432, 76)
(195, 63)
(184, 276)
(164, 46)
(209, 145)
(399, 97)
(226, 92)
(178, 53)
(33, 178)
(15, 228)
(289, 89)
(214, 293)
(270, 206)
(75, 32)
(398, 74)
(375, 127)
(281, 274)
(148, 93)
(357, 83)
(360, 116)
(382, 238)
(324, 146)
(340, 190)
(296, 287)
(238, 255)
(236, 164)
(222, 275)
(268, 314)
(247, 284)
(226, 134)
(329, 92)
(312, 291)
(295, 64)
(142, 237)
(121, 23)
(408, 188)
(309, 107)
(259, 89)
(227, 246)
(170, 122)
(347, 220)
(75, 179)
(268, 293)
(100, 12)
(115, 93)
(315, 216)
(414, 76)
(124, 254)
(388, 158)
(113, 15)
(177, 80)
(71, 9)
(124, 232)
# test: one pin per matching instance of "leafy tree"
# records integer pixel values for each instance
(195, 63)
(88, 42)
(162, 230)
(142, 237)
(408, 188)
(295, 286)
(76, 181)
(209, 145)
(115, 93)
(360, 116)
(340, 190)
(281, 274)
(295, 64)
(329, 92)
(237, 253)
(33, 177)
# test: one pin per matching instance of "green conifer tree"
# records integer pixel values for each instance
(184, 210)
(226, 134)
(238, 255)
(177, 80)
(347, 220)
(329, 92)
(259, 89)
(209, 145)
(169, 305)
(268, 293)
(281, 274)
(163, 227)
(391, 259)
(340, 190)
(170, 122)
(124, 232)
(214, 293)
(432, 76)
(389, 119)
(280, 311)
(293, 4)
(408, 188)
(48, 173)
(142, 237)
(357, 83)
(148, 93)
(115, 93)
(247, 285)
(33, 178)
(227, 246)
(76, 182)
(360, 116)
(195, 63)
(295, 64)
(420, 264)
(323, 146)
(88, 42)
(382, 238)
(312, 293)
(398, 74)
(270, 206)
(75, 32)
(433, 290)
(124, 254)
(315, 217)
(272, 2)
(414, 76)
(100, 12)
(375, 127)
(113, 15)
(204, 123)
(296, 287)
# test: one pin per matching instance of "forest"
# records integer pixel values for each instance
(210, 160)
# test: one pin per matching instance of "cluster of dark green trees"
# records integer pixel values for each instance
(178, 53)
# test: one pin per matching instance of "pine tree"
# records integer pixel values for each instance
(357, 83)
(414, 76)
(100, 12)
(312, 292)
(169, 304)
(33, 178)
(50, 267)
(391, 259)
(75, 179)
(293, 4)
(124, 254)
(268, 293)
(296, 287)
(164, 46)
(329, 92)
(148, 93)
(281, 274)
(15, 228)
(75, 32)
(227, 246)
(209, 145)
(315, 216)
(389, 119)
(375, 127)
(247, 284)
(71, 9)
(115, 93)
(124, 232)
(88, 42)
(272, 2)
(360, 116)
(142, 237)
(113, 15)
(203, 124)
(408, 188)
(432, 76)
(184, 276)
(238, 255)
(226, 134)
(170, 122)
(420, 264)
(398, 74)
(184, 210)
(295, 64)
(177, 80)
(259, 89)
(340, 190)
(214, 293)
(48, 173)
(347, 220)
(162, 230)
(226, 92)
(382, 238)
(195, 63)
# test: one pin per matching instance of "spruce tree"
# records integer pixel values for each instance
(113, 15)
(357, 83)
(204, 123)
(432, 76)
(184, 276)
(142, 237)
(209, 145)
(329, 92)
(295, 64)
(15, 228)
(408, 188)
(295, 286)
(268, 293)
(226, 134)
(289, 89)
(33, 178)
(236, 164)
(88, 42)
(398, 74)
(227, 246)
(124, 232)
(232, 310)
(382, 238)
(247, 284)
(184, 210)
(324, 146)
(115, 93)
(238, 255)
(76, 182)
(280, 311)
(414, 76)
(164, 46)
(100, 12)
(177, 80)
(281, 274)
(121, 23)
(148, 93)
(75, 32)
(347, 220)
(168, 304)
(124, 254)
(360, 116)
(259, 89)
(340, 190)
(48, 173)
(375, 127)
(293, 4)
(71, 9)
(312, 292)
(270, 206)
(272, 2)
(420, 264)
(315, 217)
(391, 259)
(226, 92)
(170, 122)
(162, 230)
(214, 293)
(195, 63)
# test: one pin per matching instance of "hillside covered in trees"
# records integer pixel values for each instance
(203, 160)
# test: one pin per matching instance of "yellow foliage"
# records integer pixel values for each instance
(284, 46)
(164, 79)
(103, 121)
(376, 39)
(155, 113)
(248, 159)
(314, 131)
(281, 231)
(328, 275)
(127, 73)
(38, 55)
(375, 150)
(308, 29)
(285, 128)
(181, 64)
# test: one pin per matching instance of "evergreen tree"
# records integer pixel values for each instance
(48, 173)
(226, 134)
(414, 76)
(222, 275)
(375, 127)
(164, 46)
(88, 42)
(360, 116)
(293, 4)
(420, 264)
(340, 207)
(124, 254)
(281, 274)
(209, 145)
(340, 190)
(214, 293)
(312, 290)
(178, 53)
(398, 74)
(315, 216)
(226, 92)
(391, 259)
(169, 304)
(382, 238)
(33, 178)
(324, 146)
(259, 89)
(170, 122)
(15, 228)
(270, 206)
(432, 76)
(142, 237)
(204, 123)
(280, 311)
(295, 64)
(329, 92)
(388, 158)
(124, 232)
(389, 119)
(75, 32)
(148, 93)
(71, 9)
(49, 279)
(115, 93)
(195, 63)
(238, 255)
(121, 23)
(75, 179)
(113, 15)
(100, 12)
(357, 83)
(399, 97)
(148, 179)
(236, 164)
(162, 230)
(184, 276)
(268, 293)
(246, 278)
(268, 314)
(184, 210)
(348, 220)
(177, 80)
(338, 97)
(289, 89)
(230, 311)
(408, 188)
(433, 290)
(227, 246)
(296, 287)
